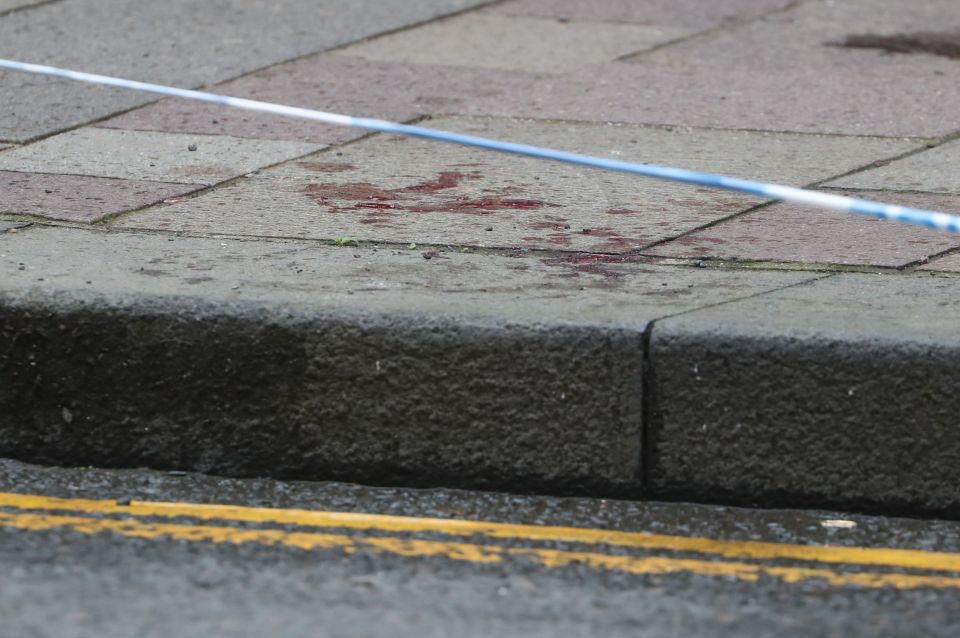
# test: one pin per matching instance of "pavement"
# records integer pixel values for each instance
(193, 288)
(193, 555)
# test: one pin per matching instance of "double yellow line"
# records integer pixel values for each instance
(861, 566)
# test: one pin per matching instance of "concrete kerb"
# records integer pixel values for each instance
(293, 360)
(840, 393)
(245, 390)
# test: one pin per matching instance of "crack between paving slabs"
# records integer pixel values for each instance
(810, 186)
(106, 220)
(208, 86)
(723, 26)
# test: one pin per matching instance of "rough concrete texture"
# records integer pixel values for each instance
(203, 42)
(771, 74)
(790, 232)
(936, 170)
(491, 40)
(405, 190)
(840, 392)
(147, 155)
(382, 89)
(78, 198)
(292, 360)
(690, 14)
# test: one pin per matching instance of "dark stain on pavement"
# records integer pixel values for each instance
(343, 197)
(935, 43)
(611, 268)
(445, 180)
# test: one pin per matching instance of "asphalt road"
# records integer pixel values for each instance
(105, 553)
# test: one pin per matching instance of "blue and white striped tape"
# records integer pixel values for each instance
(931, 219)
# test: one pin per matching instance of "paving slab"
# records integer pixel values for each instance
(77, 198)
(388, 90)
(203, 43)
(148, 155)
(947, 263)
(690, 14)
(394, 189)
(10, 5)
(840, 392)
(795, 233)
(936, 170)
(285, 359)
(777, 73)
(492, 40)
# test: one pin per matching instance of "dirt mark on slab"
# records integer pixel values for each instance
(326, 167)
(935, 43)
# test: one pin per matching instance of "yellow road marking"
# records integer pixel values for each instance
(465, 551)
(898, 558)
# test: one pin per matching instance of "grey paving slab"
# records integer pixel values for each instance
(778, 73)
(947, 263)
(202, 43)
(148, 155)
(356, 86)
(790, 232)
(240, 357)
(936, 170)
(78, 198)
(691, 14)
(10, 5)
(404, 190)
(840, 392)
(493, 40)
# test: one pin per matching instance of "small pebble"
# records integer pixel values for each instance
(192, 147)
(488, 228)
(838, 523)
(124, 501)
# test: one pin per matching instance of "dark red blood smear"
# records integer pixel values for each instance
(448, 179)
(332, 196)
(355, 190)
(494, 203)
